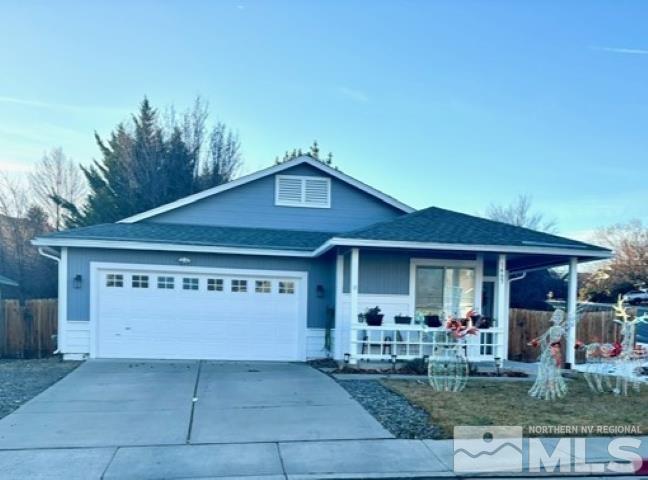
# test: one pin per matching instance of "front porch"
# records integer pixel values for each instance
(432, 283)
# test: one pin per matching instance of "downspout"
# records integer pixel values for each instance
(521, 277)
(41, 251)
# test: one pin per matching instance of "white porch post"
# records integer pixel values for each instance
(479, 283)
(502, 286)
(61, 340)
(572, 297)
(338, 346)
(353, 291)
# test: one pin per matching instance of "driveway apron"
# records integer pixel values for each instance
(121, 403)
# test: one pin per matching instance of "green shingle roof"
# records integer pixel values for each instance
(436, 225)
(198, 235)
(431, 225)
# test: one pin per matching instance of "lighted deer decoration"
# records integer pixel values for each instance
(620, 360)
(549, 383)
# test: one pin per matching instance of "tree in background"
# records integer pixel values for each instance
(223, 158)
(627, 270)
(313, 152)
(20, 222)
(520, 213)
(56, 176)
(153, 161)
(530, 292)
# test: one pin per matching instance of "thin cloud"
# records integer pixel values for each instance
(627, 51)
(353, 94)
(54, 106)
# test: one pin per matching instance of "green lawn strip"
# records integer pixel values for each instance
(492, 402)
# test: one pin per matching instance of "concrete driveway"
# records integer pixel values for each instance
(156, 403)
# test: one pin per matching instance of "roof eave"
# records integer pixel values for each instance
(163, 246)
(515, 249)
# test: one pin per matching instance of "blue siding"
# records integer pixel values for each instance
(320, 272)
(252, 205)
(388, 273)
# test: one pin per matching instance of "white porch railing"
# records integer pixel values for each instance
(408, 342)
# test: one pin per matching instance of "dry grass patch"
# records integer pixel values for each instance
(493, 402)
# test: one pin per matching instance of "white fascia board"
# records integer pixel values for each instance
(264, 173)
(167, 247)
(350, 242)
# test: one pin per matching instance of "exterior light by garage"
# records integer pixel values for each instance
(184, 261)
(319, 290)
(77, 281)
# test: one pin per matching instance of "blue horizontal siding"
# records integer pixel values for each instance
(388, 273)
(320, 272)
(253, 205)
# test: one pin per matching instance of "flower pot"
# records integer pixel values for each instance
(484, 323)
(374, 320)
(402, 320)
(432, 321)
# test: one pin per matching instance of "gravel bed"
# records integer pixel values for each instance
(393, 411)
(22, 380)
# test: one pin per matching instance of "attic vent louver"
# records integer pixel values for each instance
(302, 191)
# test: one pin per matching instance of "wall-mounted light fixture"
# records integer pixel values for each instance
(347, 357)
(184, 261)
(319, 290)
(77, 281)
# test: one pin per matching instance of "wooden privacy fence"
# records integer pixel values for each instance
(27, 331)
(525, 325)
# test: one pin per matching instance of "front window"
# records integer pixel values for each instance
(444, 291)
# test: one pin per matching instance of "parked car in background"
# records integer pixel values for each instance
(636, 297)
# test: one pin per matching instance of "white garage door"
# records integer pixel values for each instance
(227, 315)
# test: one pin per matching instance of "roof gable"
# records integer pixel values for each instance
(303, 160)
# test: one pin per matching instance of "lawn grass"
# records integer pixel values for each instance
(493, 402)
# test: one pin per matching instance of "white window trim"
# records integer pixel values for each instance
(477, 265)
(303, 179)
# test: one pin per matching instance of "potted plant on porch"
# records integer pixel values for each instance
(402, 319)
(374, 317)
(432, 321)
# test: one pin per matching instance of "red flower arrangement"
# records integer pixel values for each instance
(458, 330)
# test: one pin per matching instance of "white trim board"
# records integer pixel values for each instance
(264, 173)
(351, 242)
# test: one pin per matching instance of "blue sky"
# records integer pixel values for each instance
(448, 103)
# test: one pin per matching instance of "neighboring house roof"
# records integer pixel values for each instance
(444, 227)
(333, 172)
(7, 281)
(178, 234)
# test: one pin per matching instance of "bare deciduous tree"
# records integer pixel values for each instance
(20, 221)
(520, 213)
(56, 177)
(627, 269)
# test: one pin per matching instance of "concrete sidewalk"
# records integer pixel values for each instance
(389, 458)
